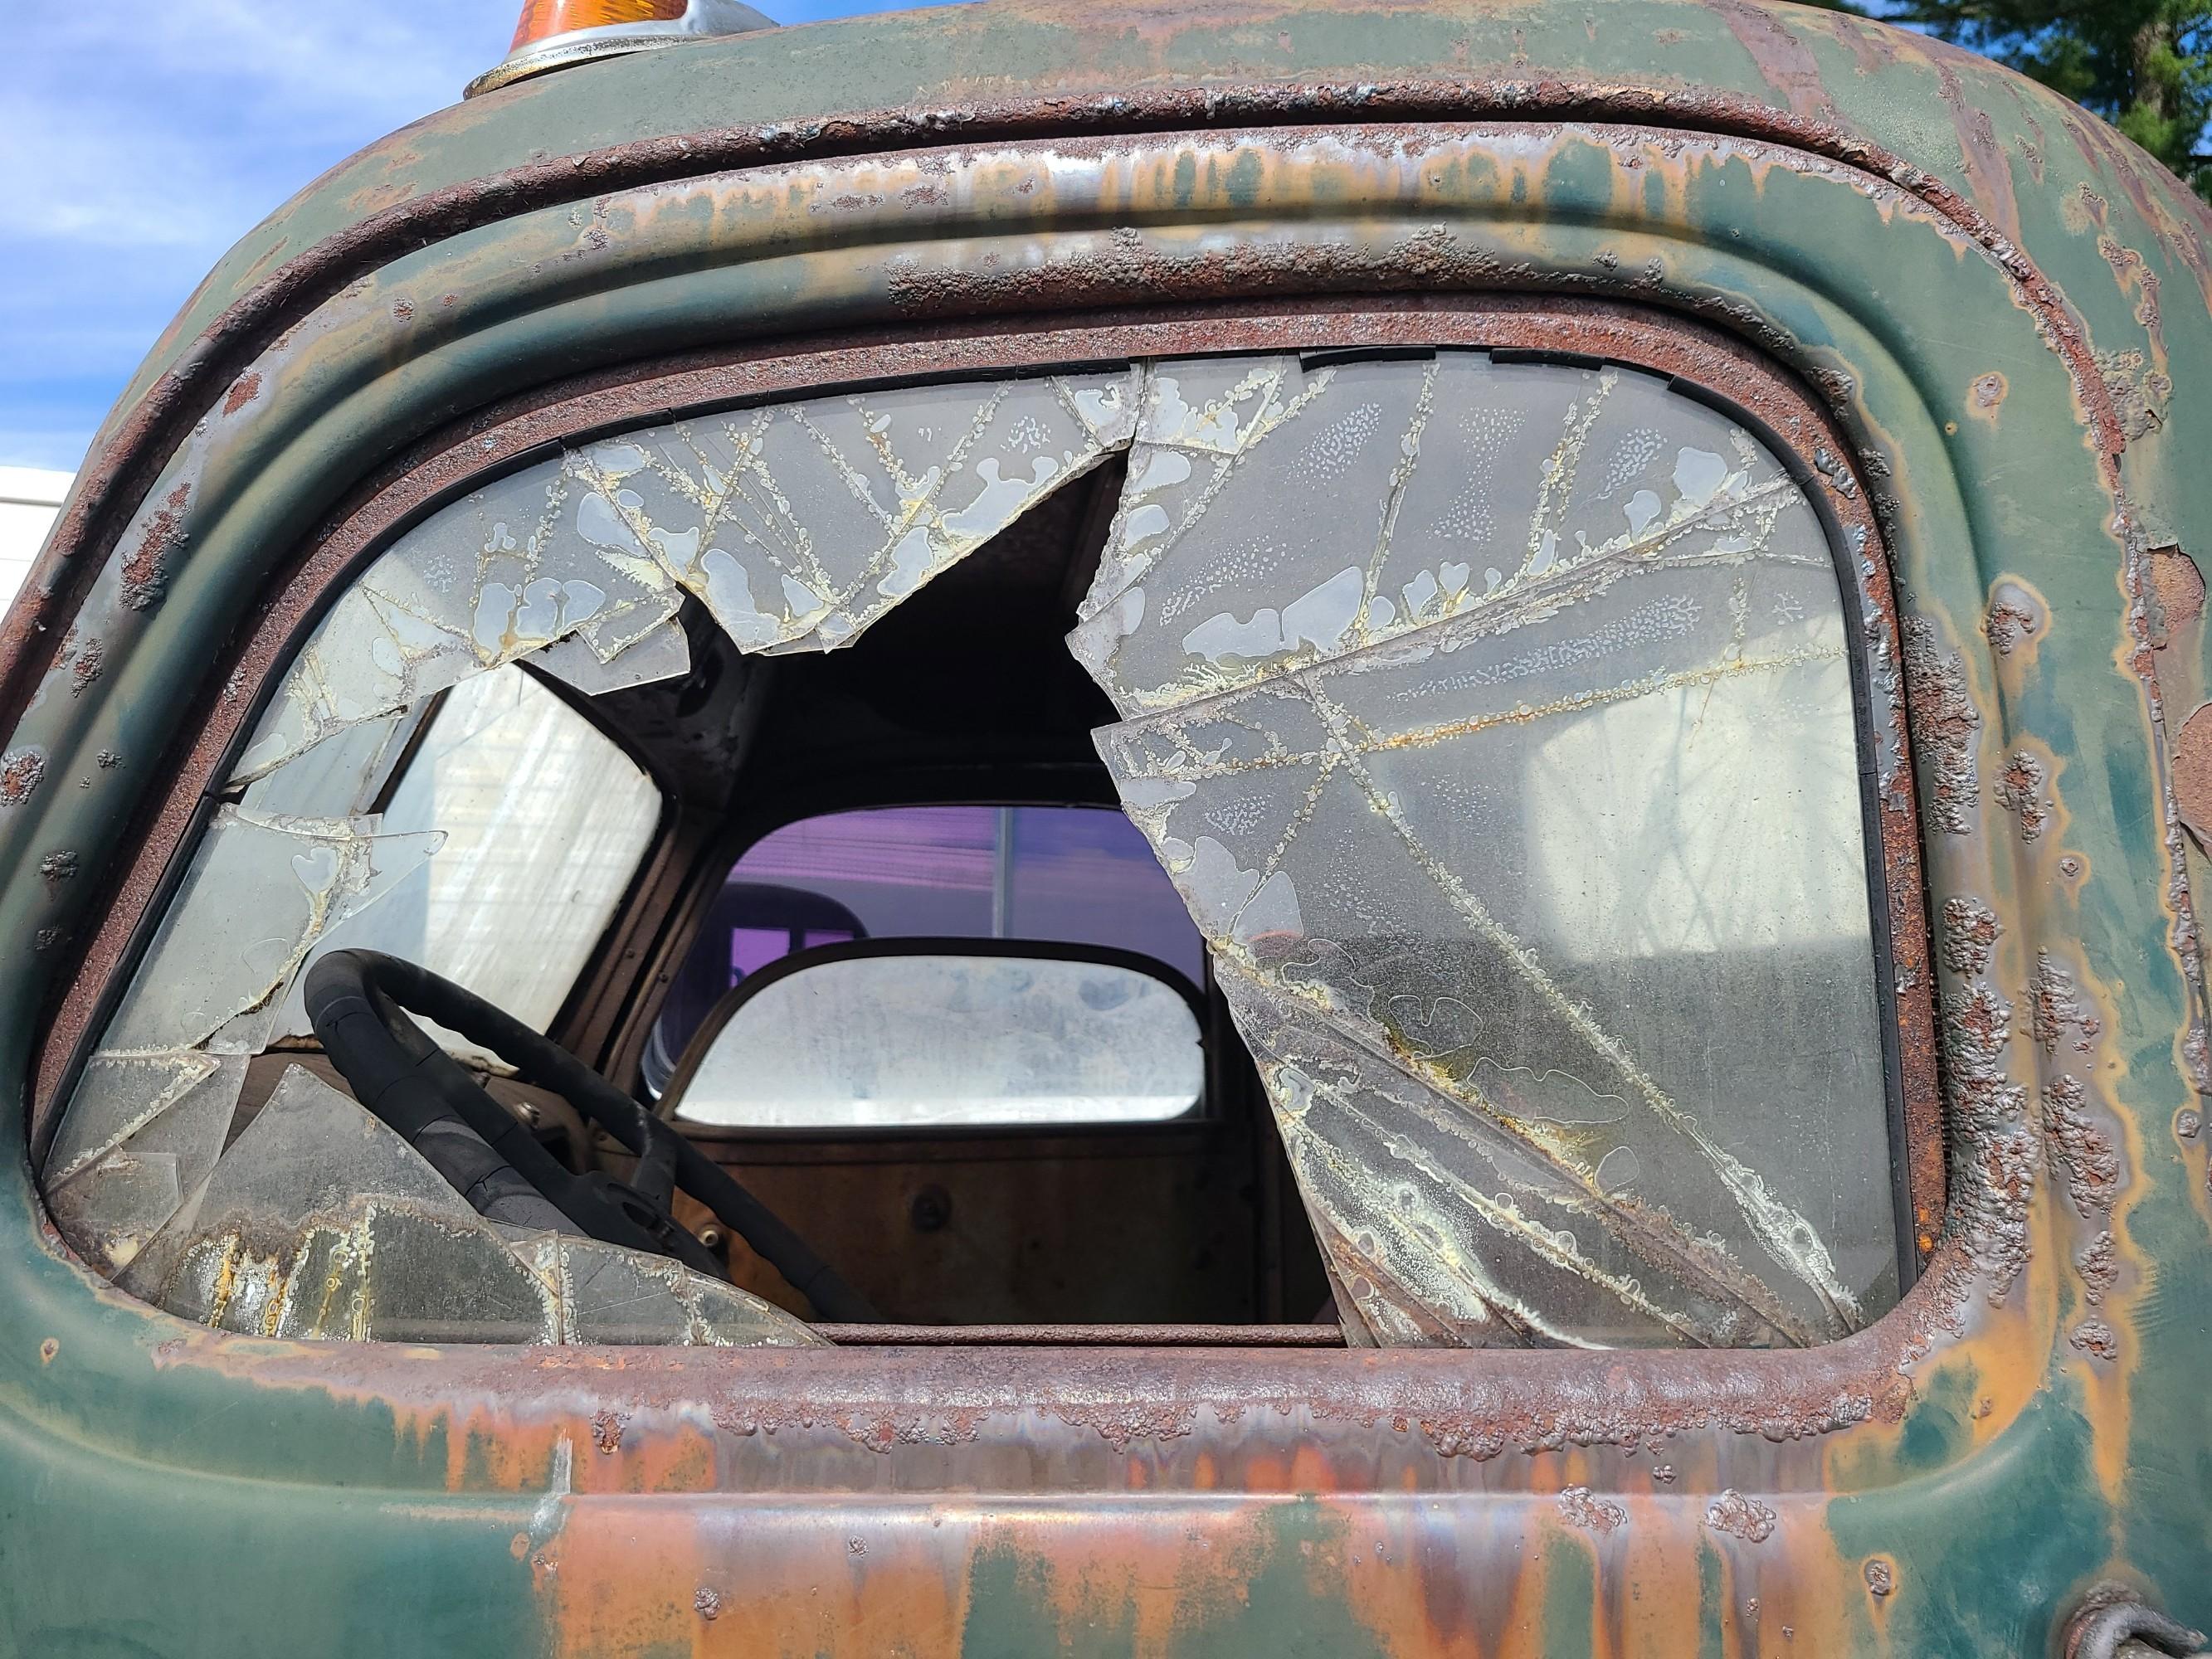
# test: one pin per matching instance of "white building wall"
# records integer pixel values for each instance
(30, 496)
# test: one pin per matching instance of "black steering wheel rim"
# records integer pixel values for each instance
(359, 1002)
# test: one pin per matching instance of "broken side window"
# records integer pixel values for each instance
(1496, 720)
(544, 821)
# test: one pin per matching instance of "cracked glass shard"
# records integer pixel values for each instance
(1496, 722)
(663, 654)
(339, 778)
(321, 1224)
(492, 578)
(543, 820)
(604, 1293)
(258, 894)
(1276, 516)
(1448, 1223)
(175, 1109)
(798, 525)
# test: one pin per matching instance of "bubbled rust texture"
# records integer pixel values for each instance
(2003, 309)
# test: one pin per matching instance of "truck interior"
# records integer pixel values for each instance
(934, 783)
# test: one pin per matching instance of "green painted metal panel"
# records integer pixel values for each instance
(2011, 327)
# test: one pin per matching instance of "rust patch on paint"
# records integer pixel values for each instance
(1785, 62)
(86, 660)
(21, 772)
(2020, 791)
(2178, 586)
(1970, 934)
(2096, 1338)
(1944, 723)
(1583, 1508)
(2055, 1013)
(1740, 1516)
(2014, 618)
(146, 568)
(2099, 1269)
(2138, 392)
(2081, 1154)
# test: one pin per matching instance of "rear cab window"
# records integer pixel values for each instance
(1042, 875)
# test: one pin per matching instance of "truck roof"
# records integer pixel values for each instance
(1931, 118)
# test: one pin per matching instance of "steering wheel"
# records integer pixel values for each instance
(359, 1002)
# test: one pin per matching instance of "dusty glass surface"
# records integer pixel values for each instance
(798, 525)
(321, 1224)
(181, 1105)
(599, 1292)
(934, 1040)
(1496, 722)
(146, 1120)
(493, 578)
(544, 821)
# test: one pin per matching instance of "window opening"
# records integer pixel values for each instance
(1493, 719)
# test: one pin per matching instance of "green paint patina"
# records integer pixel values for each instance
(1714, 1613)
(164, 1492)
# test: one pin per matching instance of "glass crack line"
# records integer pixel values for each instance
(1401, 480)
(1502, 1217)
(1564, 465)
(1647, 1239)
(1788, 1237)
(1346, 1177)
(1116, 575)
(1172, 723)
(1528, 596)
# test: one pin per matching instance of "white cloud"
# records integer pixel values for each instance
(141, 138)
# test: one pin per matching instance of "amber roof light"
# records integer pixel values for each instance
(555, 33)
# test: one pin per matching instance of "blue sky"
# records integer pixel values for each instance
(141, 138)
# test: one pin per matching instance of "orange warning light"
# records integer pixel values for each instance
(543, 19)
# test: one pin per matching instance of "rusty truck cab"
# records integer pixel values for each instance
(1107, 829)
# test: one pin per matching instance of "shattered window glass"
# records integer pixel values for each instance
(798, 525)
(148, 1117)
(1494, 719)
(544, 822)
(409, 789)
(320, 1223)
